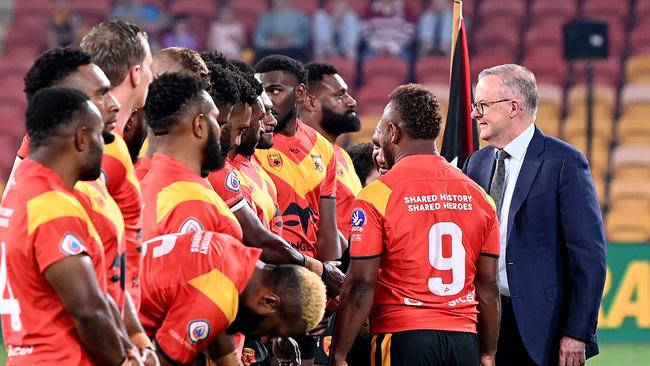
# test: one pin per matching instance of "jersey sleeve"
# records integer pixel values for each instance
(491, 244)
(329, 183)
(367, 232)
(60, 238)
(192, 322)
(226, 183)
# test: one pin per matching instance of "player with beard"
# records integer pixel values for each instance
(121, 50)
(177, 198)
(220, 286)
(172, 59)
(44, 319)
(303, 168)
(426, 307)
(331, 110)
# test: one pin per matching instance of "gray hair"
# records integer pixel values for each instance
(517, 81)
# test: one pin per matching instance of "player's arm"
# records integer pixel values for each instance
(222, 352)
(329, 247)
(277, 251)
(489, 303)
(356, 301)
(86, 304)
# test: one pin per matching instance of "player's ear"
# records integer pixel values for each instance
(81, 138)
(310, 102)
(300, 92)
(515, 108)
(394, 132)
(134, 75)
(199, 126)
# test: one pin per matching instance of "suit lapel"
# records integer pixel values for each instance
(486, 167)
(529, 168)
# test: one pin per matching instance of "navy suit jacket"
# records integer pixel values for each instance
(556, 249)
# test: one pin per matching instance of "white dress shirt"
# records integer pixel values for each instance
(517, 149)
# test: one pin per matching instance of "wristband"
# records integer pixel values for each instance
(140, 340)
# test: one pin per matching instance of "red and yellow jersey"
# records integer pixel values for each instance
(226, 183)
(142, 167)
(178, 200)
(41, 223)
(429, 230)
(23, 150)
(348, 186)
(185, 308)
(303, 169)
(259, 190)
(107, 220)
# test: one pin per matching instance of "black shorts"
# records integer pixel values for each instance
(425, 348)
(308, 346)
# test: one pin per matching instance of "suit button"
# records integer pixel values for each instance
(511, 263)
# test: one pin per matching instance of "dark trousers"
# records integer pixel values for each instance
(425, 348)
(510, 349)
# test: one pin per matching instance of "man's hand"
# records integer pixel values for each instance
(487, 360)
(149, 357)
(333, 278)
(286, 352)
(572, 352)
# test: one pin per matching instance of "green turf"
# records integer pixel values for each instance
(622, 354)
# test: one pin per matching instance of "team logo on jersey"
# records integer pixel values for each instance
(232, 182)
(275, 160)
(318, 163)
(327, 342)
(71, 244)
(191, 225)
(198, 330)
(358, 218)
(248, 356)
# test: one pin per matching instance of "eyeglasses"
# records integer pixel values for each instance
(480, 106)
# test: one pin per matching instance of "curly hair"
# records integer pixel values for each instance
(316, 71)
(302, 295)
(170, 96)
(224, 88)
(254, 88)
(419, 109)
(282, 63)
(52, 67)
(51, 108)
(180, 59)
(361, 155)
(115, 46)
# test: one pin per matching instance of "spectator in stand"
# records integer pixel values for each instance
(388, 29)
(435, 28)
(181, 36)
(283, 30)
(336, 30)
(148, 16)
(227, 34)
(64, 25)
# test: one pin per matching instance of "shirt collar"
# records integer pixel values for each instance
(517, 147)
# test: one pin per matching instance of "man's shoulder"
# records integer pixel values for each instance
(556, 148)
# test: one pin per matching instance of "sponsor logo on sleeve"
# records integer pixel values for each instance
(191, 225)
(71, 244)
(318, 163)
(232, 182)
(198, 330)
(358, 219)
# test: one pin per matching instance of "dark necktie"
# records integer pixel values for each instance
(498, 180)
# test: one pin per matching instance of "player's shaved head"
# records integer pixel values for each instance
(181, 60)
(171, 97)
(55, 112)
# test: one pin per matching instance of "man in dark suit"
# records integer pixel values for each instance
(553, 252)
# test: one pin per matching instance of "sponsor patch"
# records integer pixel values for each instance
(71, 244)
(198, 330)
(248, 356)
(318, 163)
(232, 182)
(358, 218)
(191, 225)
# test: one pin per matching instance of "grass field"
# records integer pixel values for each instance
(611, 354)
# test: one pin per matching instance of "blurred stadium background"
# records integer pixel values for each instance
(528, 32)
